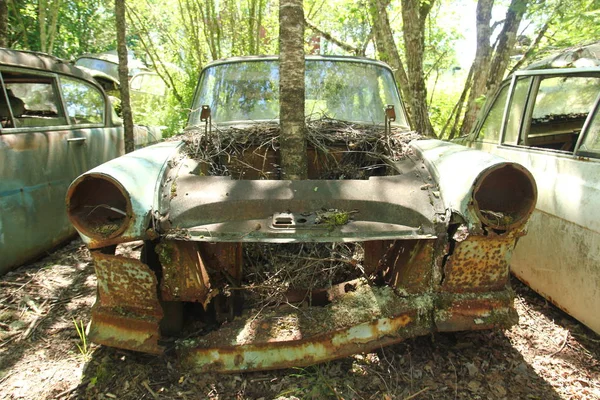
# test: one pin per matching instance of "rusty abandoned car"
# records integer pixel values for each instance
(389, 237)
(56, 123)
(547, 118)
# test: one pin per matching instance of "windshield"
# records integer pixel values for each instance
(337, 89)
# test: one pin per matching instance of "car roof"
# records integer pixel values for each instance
(573, 57)
(231, 60)
(41, 62)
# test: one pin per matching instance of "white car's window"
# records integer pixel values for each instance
(517, 107)
(33, 100)
(490, 130)
(562, 104)
(85, 103)
(591, 143)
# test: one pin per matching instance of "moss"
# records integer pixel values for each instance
(106, 229)
(174, 189)
(165, 254)
(333, 218)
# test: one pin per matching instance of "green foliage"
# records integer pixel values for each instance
(81, 27)
(576, 22)
(179, 38)
(347, 21)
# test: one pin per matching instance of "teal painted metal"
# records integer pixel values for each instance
(38, 164)
(141, 190)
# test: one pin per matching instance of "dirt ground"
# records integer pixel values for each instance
(42, 356)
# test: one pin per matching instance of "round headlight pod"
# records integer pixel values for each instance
(98, 206)
(504, 196)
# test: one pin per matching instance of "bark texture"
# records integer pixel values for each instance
(481, 64)
(124, 75)
(414, 15)
(491, 63)
(48, 23)
(387, 50)
(3, 23)
(291, 87)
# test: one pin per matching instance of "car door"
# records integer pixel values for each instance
(44, 146)
(548, 122)
(97, 133)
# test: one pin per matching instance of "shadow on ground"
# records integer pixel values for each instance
(443, 366)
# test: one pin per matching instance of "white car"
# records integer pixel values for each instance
(547, 118)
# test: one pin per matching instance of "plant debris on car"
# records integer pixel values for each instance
(391, 236)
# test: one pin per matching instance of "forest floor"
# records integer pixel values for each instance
(548, 355)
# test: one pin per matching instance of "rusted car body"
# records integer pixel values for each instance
(56, 123)
(547, 118)
(409, 236)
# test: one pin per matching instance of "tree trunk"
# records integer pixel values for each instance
(42, 24)
(489, 69)
(291, 90)
(124, 75)
(506, 42)
(3, 23)
(480, 65)
(414, 15)
(47, 23)
(386, 47)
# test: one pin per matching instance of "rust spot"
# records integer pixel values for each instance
(479, 264)
(406, 264)
(184, 275)
(127, 311)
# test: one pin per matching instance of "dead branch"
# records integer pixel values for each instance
(349, 48)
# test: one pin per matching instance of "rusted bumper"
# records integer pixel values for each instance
(361, 320)
(421, 293)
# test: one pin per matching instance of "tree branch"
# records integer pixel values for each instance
(531, 48)
(169, 81)
(349, 48)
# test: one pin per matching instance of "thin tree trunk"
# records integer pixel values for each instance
(414, 15)
(345, 46)
(530, 50)
(42, 24)
(489, 69)
(386, 47)
(159, 67)
(480, 65)
(458, 107)
(3, 23)
(291, 87)
(124, 75)
(53, 26)
(506, 41)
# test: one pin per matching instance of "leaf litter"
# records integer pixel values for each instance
(548, 355)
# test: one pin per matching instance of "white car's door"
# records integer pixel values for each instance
(548, 121)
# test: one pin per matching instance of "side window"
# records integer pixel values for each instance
(490, 129)
(562, 104)
(516, 109)
(33, 100)
(85, 103)
(591, 143)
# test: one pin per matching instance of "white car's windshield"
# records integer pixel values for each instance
(337, 89)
